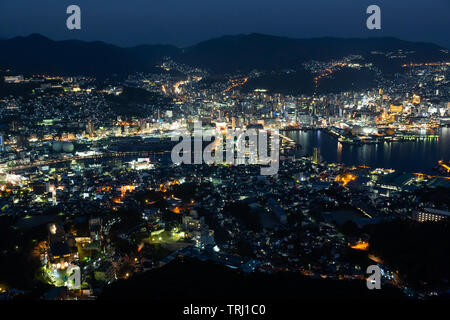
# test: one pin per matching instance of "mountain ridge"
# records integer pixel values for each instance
(230, 53)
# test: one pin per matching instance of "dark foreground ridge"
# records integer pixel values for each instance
(191, 279)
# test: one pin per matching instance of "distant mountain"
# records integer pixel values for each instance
(258, 51)
(38, 54)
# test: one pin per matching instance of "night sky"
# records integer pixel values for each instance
(185, 22)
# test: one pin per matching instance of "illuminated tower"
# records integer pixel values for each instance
(90, 128)
(316, 155)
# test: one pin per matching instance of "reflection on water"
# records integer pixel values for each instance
(339, 152)
(415, 156)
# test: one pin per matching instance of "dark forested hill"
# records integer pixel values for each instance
(38, 54)
(190, 279)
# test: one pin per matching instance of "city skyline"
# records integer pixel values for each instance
(287, 151)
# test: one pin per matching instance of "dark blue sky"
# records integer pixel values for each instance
(185, 22)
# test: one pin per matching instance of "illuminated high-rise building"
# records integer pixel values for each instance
(429, 214)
